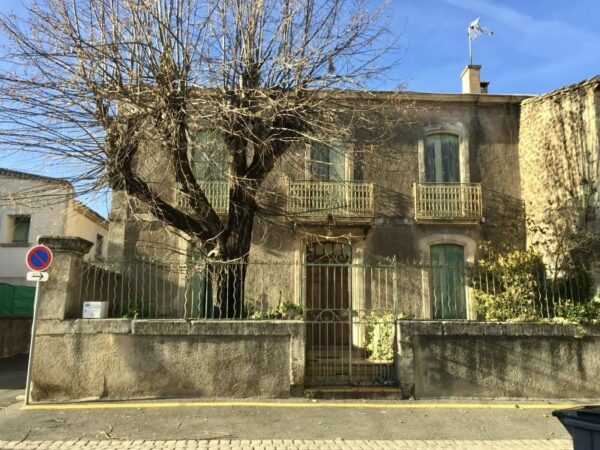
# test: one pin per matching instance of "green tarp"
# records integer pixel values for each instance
(16, 300)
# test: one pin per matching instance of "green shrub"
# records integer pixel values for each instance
(284, 310)
(585, 313)
(380, 336)
(506, 286)
(513, 286)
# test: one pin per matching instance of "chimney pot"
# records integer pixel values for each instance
(471, 80)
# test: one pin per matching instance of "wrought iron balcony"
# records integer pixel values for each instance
(448, 201)
(339, 198)
(217, 193)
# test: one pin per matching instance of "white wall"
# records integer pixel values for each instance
(48, 205)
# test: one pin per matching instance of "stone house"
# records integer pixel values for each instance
(442, 174)
(451, 171)
(357, 238)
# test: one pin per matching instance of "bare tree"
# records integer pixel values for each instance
(101, 83)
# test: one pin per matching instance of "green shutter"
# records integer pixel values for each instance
(442, 162)
(210, 157)
(447, 282)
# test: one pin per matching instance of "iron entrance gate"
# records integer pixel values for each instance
(350, 317)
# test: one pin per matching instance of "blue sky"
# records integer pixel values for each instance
(537, 46)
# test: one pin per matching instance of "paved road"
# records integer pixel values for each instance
(291, 424)
(291, 445)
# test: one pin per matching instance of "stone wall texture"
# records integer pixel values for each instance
(498, 360)
(559, 154)
(15, 335)
(127, 359)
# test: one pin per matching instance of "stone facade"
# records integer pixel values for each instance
(520, 163)
(559, 159)
(537, 155)
(392, 159)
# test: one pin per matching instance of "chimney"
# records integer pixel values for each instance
(471, 81)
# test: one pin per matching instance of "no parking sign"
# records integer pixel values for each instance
(39, 258)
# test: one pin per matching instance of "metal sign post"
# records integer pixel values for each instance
(38, 259)
(32, 342)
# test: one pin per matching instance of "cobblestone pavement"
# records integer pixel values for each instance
(338, 444)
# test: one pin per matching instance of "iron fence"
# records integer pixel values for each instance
(350, 310)
(288, 290)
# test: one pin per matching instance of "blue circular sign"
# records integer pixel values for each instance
(39, 258)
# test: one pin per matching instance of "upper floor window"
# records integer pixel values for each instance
(99, 245)
(20, 229)
(442, 159)
(328, 161)
(210, 157)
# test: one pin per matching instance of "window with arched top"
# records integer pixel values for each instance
(442, 158)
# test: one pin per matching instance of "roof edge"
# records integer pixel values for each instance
(34, 177)
(593, 82)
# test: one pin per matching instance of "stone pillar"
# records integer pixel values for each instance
(59, 297)
(117, 228)
(405, 359)
(297, 359)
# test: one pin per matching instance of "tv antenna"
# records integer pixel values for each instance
(475, 30)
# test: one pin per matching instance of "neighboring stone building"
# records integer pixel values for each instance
(32, 205)
(559, 159)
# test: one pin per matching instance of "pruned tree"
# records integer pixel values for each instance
(101, 83)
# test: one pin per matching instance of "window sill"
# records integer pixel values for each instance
(15, 244)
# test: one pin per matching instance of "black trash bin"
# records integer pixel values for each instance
(583, 424)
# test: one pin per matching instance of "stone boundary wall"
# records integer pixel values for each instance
(122, 359)
(498, 360)
(15, 334)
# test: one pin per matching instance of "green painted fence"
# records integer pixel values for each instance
(16, 300)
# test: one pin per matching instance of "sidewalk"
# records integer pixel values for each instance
(285, 424)
(557, 444)
(297, 423)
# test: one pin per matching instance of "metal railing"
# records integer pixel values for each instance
(217, 193)
(447, 201)
(342, 198)
(318, 292)
(350, 310)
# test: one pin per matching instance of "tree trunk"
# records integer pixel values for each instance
(230, 272)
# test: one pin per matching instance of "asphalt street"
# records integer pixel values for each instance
(303, 420)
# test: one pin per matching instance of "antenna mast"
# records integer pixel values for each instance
(475, 30)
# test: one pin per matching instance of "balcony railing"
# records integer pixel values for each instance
(217, 193)
(340, 198)
(437, 201)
